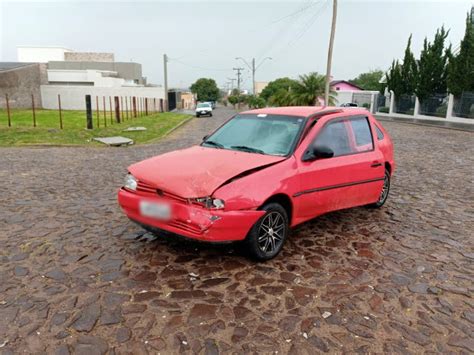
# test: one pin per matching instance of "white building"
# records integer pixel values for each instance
(73, 75)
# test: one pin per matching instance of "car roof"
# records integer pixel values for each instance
(304, 111)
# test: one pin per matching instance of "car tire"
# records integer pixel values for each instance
(198, 115)
(384, 193)
(268, 235)
(210, 115)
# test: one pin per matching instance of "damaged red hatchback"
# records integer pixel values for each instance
(262, 172)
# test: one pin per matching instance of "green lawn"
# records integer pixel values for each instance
(47, 129)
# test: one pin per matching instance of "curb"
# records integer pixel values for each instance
(176, 127)
(426, 123)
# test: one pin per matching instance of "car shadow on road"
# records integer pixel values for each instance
(337, 229)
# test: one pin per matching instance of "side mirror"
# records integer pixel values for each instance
(322, 151)
(205, 137)
(318, 152)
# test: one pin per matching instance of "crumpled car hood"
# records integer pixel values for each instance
(197, 171)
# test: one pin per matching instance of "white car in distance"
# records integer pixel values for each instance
(203, 109)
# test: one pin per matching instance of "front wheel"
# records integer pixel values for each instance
(210, 115)
(384, 193)
(267, 236)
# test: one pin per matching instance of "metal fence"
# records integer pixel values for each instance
(382, 103)
(405, 104)
(464, 105)
(434, 105)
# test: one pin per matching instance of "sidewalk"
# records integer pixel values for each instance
(434, 122)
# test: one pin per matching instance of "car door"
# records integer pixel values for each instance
(352, 177)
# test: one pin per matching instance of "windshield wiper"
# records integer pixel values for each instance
(248, 149)
(215, 144)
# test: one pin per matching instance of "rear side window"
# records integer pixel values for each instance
(362, 134)
(380, 135)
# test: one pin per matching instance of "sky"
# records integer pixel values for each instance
(203, 38)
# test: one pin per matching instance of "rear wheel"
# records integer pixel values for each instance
(385, 191)
(267, 236)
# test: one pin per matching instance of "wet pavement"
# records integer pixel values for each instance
(77, 277)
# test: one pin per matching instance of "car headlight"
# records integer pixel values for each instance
(211, 203)
(130, 182)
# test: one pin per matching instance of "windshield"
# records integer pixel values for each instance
(203, 105)
(264, 134)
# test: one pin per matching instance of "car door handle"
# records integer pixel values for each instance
(375, 164)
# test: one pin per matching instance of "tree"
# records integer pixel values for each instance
(309, 89)
(432, 66)
(369, 80)
(394, 79)
(461, 66)
(255, 101)
(280, 98)
(409, 71)
(205, 89)
(276, 85)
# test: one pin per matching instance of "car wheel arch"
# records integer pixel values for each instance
(283, 200)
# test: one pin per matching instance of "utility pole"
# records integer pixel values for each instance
(231, 84)
(331, 44)
(238, 84)
(165, 67)
(253, 69)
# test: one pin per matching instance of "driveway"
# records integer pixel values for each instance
(77, 276)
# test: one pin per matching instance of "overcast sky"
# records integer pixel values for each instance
(202, 38)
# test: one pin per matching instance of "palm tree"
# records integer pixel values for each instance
(309, 90)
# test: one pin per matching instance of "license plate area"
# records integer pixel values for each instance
(157, 210)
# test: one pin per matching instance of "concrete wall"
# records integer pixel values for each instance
(20, 83)
(127, 71)
(27, 54)
(88, 57)
(85, 77)
(73, 97)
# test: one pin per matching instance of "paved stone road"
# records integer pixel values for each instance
(76, 276)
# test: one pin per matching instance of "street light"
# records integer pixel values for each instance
(253, 68)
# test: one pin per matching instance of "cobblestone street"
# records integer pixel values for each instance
(77, 277)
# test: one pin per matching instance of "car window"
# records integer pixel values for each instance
(334, 136)
(362, 134)
(380, 135)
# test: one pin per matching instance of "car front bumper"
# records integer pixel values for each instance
(192, 221)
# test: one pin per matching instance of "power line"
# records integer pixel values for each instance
(174, 60)
(276, 40)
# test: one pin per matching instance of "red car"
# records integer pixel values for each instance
(262, 172)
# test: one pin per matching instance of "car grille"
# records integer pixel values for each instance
(148, 190)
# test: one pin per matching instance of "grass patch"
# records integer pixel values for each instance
(47, 129)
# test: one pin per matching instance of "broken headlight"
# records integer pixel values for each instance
(210, 203)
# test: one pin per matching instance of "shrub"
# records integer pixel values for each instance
(366, 105)
(441, 111)
(384, 109)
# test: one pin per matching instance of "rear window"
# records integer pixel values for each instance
(380, 135)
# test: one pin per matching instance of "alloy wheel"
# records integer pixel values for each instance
(385, 189)
(271, 232)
